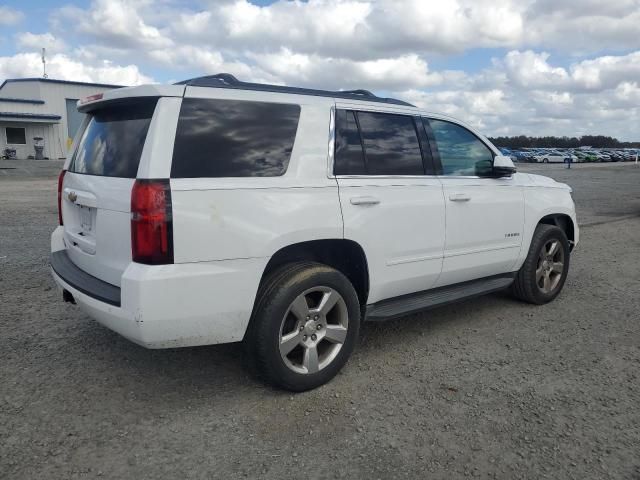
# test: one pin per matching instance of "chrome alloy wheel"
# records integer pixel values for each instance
(313, 330)
(550, 266)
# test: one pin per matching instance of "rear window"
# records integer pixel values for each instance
(231, 138)
(111, 145)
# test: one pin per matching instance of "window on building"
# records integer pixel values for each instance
(16, 136)
(74, 117)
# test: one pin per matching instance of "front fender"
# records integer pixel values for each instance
(540, 202)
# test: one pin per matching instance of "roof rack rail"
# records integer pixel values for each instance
(226, 80)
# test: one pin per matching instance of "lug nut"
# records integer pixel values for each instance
(304, 338)
(301, 328)
(316, 317)
(313, 337)
(318, 327)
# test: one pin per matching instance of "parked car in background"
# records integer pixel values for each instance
(554, 156)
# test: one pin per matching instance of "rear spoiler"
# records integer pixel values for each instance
(120, 95)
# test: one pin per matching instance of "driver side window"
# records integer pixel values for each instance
(461, 152)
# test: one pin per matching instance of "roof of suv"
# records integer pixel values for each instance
(226, 80)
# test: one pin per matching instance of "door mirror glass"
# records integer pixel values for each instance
(503, 166)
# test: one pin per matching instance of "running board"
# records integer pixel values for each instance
(419, 301)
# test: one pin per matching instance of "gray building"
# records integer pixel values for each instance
(41, 108)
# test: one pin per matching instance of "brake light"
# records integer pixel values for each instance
(60, 180)
(91, 98)
(151, 222)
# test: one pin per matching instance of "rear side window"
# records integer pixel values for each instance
(376, 144)
(349, 158)
(390, 144)
(231, 138)
(111, 144)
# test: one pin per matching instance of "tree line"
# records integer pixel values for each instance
(596, 141)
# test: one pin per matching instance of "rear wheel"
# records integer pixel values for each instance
(304, 326)
(545, 269)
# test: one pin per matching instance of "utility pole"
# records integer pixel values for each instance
(44, 63)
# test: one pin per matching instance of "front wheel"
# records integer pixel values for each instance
(545, 269)
(304, 326)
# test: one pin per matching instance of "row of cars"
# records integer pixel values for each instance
(558, 155)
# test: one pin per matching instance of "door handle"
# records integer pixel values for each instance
(459, 197)
(364, 200)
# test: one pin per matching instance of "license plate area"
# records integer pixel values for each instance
(80, 229)
(86, 217)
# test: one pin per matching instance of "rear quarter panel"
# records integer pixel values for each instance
(251, 217)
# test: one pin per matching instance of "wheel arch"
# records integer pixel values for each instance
(346, 256)
(563, 221)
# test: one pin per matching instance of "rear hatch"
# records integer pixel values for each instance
(96, 192)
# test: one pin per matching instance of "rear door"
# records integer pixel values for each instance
(391, 205)
(96, 193)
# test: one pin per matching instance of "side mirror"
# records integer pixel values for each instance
(503, 166)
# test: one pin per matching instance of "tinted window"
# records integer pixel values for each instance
(461, 152)
(390, 144)
(112, 143)
(229, 138)
(349, 157)
(16, 136)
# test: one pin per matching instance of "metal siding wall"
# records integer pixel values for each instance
(55, 95)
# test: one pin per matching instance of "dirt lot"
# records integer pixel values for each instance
(491, 388)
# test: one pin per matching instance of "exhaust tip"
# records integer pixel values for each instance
(67, 297)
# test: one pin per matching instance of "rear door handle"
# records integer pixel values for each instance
(459, 197)
(364, 200)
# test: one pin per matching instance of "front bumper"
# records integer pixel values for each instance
(166, 306)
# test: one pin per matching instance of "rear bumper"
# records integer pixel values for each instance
(65, 269)
(167, 306)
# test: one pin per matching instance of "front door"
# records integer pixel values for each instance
(484, 216)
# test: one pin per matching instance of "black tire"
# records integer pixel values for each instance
(526, 285)
(545, 160)
(275, 296)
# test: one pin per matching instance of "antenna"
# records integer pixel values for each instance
(44, 63)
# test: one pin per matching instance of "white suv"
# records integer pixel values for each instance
(216, 211)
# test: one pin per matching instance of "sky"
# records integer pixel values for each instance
(508, 67)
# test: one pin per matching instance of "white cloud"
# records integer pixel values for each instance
(388, 46)
(531, 70)
(407, 71)
(60, 66)
(33, 41)
(10, 16)
(583, 26)
(607, 71)
(523, 92)
(118, 23)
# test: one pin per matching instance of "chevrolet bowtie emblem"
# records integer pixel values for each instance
(72, 197)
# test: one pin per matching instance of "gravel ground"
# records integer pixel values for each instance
(490, 388)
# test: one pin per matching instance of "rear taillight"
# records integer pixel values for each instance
(151, 223)
(60, 180)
